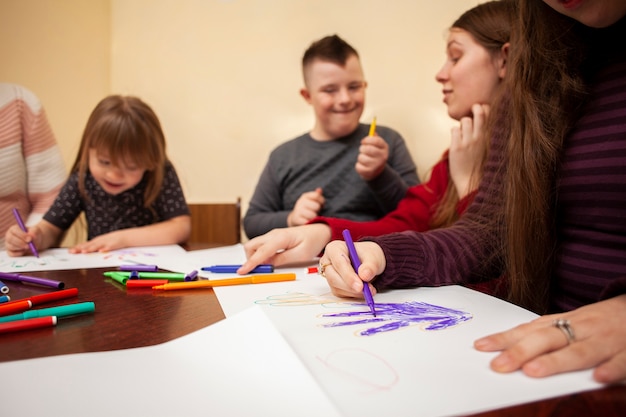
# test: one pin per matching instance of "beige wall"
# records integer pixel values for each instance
(224, 75)
(60, 49)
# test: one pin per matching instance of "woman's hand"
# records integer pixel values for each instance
(540, 348)
(468, 146)
(335, 266)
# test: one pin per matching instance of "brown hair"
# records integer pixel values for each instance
(331, 49)
(546, 92)
(128, 130)
(490, 26)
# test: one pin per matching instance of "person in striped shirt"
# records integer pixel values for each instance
(550, 211)
(32, 170)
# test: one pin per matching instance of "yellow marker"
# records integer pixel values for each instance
(251, 279)
(373, 127)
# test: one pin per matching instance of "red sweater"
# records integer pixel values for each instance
(413, 213)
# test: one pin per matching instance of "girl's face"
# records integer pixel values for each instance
(470, 75)
(592, 13)
(112, 178)
(337, 94)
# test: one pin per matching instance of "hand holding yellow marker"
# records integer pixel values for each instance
(373, 127)
(252, 279)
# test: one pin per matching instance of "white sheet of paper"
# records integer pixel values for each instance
(59, 258)
(240, 366)
(405, 372)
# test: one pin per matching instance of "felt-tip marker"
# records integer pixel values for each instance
(231, 269)
(356, 263)
(250, 279)
(49, 297)
(139, 268)
(32, 280)
(19, 325)
(60, 311)
(22, 226)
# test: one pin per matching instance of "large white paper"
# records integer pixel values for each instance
(238, 367)
(60, 258)
(407, 371)
(418, 366)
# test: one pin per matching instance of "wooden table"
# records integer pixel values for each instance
(123, 318)
(134, 318)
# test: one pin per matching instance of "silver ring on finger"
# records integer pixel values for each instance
(566, 328)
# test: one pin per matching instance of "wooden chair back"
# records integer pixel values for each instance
(216, 223)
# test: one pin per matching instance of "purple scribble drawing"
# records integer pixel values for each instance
(398, 315)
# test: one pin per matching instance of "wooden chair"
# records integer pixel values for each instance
(215, 223)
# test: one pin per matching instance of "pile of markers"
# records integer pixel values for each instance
(148, 276)
(18, 315)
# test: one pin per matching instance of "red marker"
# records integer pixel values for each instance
(19, 325)
(311, 270)
(48, 297)
(15, 307)
(145, 283)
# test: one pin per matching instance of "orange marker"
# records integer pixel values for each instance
(252, 279)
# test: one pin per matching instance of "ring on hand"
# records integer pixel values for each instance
(566, 328)
(322, 268)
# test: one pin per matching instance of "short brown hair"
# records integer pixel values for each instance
(331, 49)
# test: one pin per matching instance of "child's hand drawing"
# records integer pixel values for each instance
(394, 316)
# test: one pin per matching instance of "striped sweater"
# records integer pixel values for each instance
(591, 211)
(32, 170)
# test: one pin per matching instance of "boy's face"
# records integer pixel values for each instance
(337, 95)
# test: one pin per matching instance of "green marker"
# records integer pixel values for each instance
(116, 276)
(61, 311)
(170, 276)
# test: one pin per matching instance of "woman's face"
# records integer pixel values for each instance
(592, 13)
(470, 74)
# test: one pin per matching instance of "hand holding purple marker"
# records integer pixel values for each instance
(20, 223)
(356, 263)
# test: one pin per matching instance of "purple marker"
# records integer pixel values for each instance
(356, 263)
(22, 226)
(192, 276)
(139, 268)
(33, 280)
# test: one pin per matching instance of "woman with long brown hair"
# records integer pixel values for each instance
(550, 212)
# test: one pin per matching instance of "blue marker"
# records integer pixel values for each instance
(3, 288)
(231, 269)
(4, 298)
